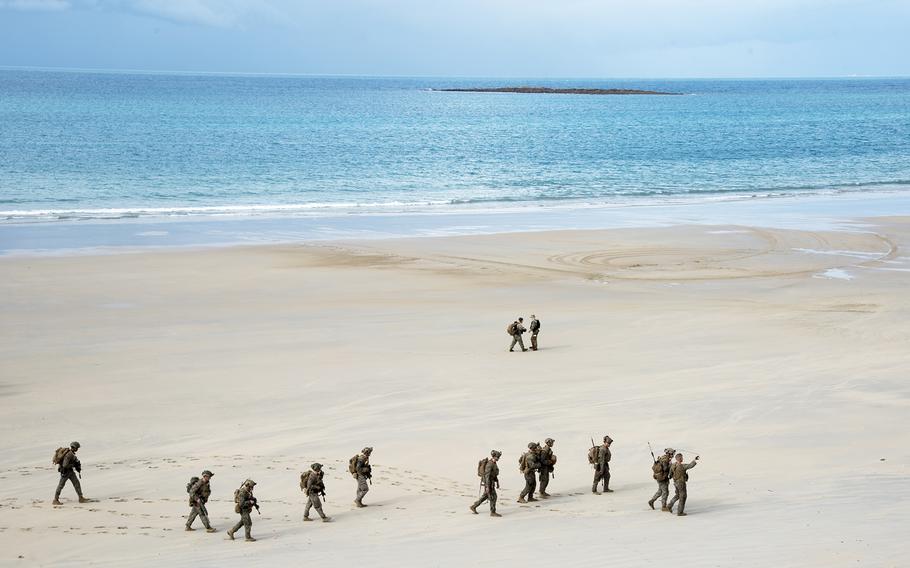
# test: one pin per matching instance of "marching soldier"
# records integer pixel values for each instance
(489, 479)
(600, 458)
(515, 330)
(314, 488)
(68, 465)
(244, 502)
(199, 496)
(529, 464)
(680, 473)
(661, 471)
(360, 468)
(547, 462)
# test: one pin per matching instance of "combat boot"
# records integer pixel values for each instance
(665, 508)
(230, 534)
(608, 491)
(544, 495)
(521, 500)
(84, 500)
(326, 519)
(250, 539)
(56, 502)
(530, 499)
(359, 504)
(494, 514)
(210, 529)
(473, 509)
(651, 504)
(188, 528)
(682, 514)
(307, 519)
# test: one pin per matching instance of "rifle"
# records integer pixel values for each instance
(202, 508)
(258, 512)
(652, 452)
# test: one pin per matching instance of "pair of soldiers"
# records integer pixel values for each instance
(69, 466)
(664, 470)
(517, 328)
(599, 457)
(537, 461)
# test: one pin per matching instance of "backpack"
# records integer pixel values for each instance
(59, 454)
(482, 466)
(659, 473)
(511, 329)
(189, 486)
(523, 462)
(352, 465)
(237, 500)
(303, 479)
(592, 455)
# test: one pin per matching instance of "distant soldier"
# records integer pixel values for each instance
(529, 463)
(515, 330)
(661, 472)
(547, 463)
(534, 326)
(489, 480)
(199, 491)
(244, 502)
(312, 484)
(680, 473)
(599, 457)
(359, 467)
(68, 465)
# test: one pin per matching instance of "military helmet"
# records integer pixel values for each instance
(316, 466)
(74, 445)
(249, 482)
(669, 451)
(496, 454)
(608, 439)
(532, 445)
(549, 440)
(367, 450)
(208, 473)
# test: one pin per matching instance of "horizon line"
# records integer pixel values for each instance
(430, 76)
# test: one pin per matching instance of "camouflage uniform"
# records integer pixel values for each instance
(602, 467)
(547, 461)
(534, 326)
(245, 502)
(516, 337)
(680, 474)
(314, 488)
(68, 468)
(362, 472)
(662, 476)
(490, 481)
(532, 464)
(199, 496)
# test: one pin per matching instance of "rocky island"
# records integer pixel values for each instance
(551, 91)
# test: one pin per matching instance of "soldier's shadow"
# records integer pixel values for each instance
(708, 506)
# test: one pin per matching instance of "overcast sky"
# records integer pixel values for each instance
(530, 38)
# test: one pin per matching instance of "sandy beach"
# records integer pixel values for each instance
(778, 355)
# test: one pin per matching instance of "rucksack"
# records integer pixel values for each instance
(352, 465)
(189, 486)
(523, 462)
(592, 455)
(59, 454)
(482, 466)
(511, 329)
(303, 479)
(659, 473)
(237, 500)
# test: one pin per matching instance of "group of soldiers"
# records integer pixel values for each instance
(517, 328)
(537, 464)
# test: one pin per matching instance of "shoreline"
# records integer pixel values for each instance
(844, 211)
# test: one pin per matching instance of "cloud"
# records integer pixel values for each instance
(37, 5)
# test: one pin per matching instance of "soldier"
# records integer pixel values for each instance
(199, 496)
(68, 465)
(661, 471)
(600, 458)
(489, 479)
(314, 488)
(360, 468)
(534, 326)
(547, 462)
(515, 330)
(680, 473)
(529, 464)
(245, 502)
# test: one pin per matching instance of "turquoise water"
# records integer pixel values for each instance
(103, 147)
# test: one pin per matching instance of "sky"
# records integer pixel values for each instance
(479, 38)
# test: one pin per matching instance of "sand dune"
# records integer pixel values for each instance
(780, 356)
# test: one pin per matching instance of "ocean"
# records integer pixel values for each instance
(95, 158)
